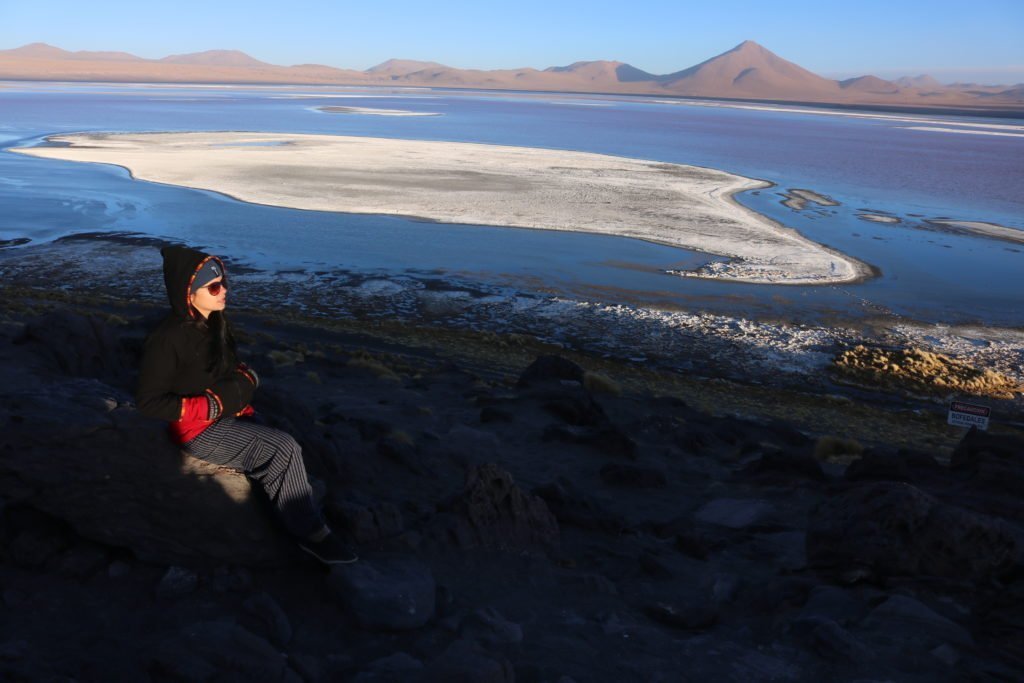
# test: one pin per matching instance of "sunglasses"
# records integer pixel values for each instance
(215, 288)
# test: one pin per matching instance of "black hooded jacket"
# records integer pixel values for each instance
(174, 382)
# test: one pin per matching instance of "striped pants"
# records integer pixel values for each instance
(271, 457)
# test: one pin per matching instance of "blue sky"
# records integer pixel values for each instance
(978, 40)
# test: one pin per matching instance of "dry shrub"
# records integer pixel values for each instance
(923, 371)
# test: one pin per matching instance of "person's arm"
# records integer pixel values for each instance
(233, 392)
(153, 396)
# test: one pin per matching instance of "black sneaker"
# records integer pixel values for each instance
(331, 550)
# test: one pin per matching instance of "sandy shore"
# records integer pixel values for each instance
(671, 204)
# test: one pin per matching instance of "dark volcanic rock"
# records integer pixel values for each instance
(391, 669)
(688, 618)
(829, 603)
(129, 487)
(896, 529)
(366, 524)
(495, 414)
(830, 640)
(493, 512)
(466, 662)
(176, 583)
(79, 345)
(391, 594)
(696, 439)
(976, 446)
(880, 465)
(629, 476)
(915, 621)
(607, 439)
(877, 466)
(653, 566)
(785, 465)
(83, 560)
(39, 539)
(488, 626)
(572, 506)
(551, 369)
(576, 410)
(404, 454)
(991, 463)
(266, 610)
(734, 513)
(220, 650)
(471, 445)
(57, 412)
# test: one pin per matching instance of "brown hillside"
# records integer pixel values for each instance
(603, 71)
(869, 84)
(749, 70)
(402, 67)
(215, 58)
(44, 51)
(923, 81)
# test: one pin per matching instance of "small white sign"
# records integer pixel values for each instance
(969, 415)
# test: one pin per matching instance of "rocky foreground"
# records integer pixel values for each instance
(521, 516)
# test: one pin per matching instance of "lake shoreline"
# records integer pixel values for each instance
(773, 349)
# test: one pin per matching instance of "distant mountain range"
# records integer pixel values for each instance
(746, 72)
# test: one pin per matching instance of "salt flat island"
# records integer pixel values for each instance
(374, 112)
(672, 204)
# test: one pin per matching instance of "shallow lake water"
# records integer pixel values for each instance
(865, 164)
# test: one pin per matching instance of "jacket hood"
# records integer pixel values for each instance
(180, 267)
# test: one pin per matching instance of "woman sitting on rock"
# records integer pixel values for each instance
(191, 376)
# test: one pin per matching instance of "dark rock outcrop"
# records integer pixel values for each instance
(574, 507)
(123, 484)
(391, 594)
(633, 477)
(220, 650)
(493, 512)
(79, 346)
(551, 369)
(896, 529)
(467, 662)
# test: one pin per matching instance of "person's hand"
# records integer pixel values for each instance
(249, 373)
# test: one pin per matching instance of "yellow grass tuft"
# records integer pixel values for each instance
(285, 358)
(598, 383)
(375, 366)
